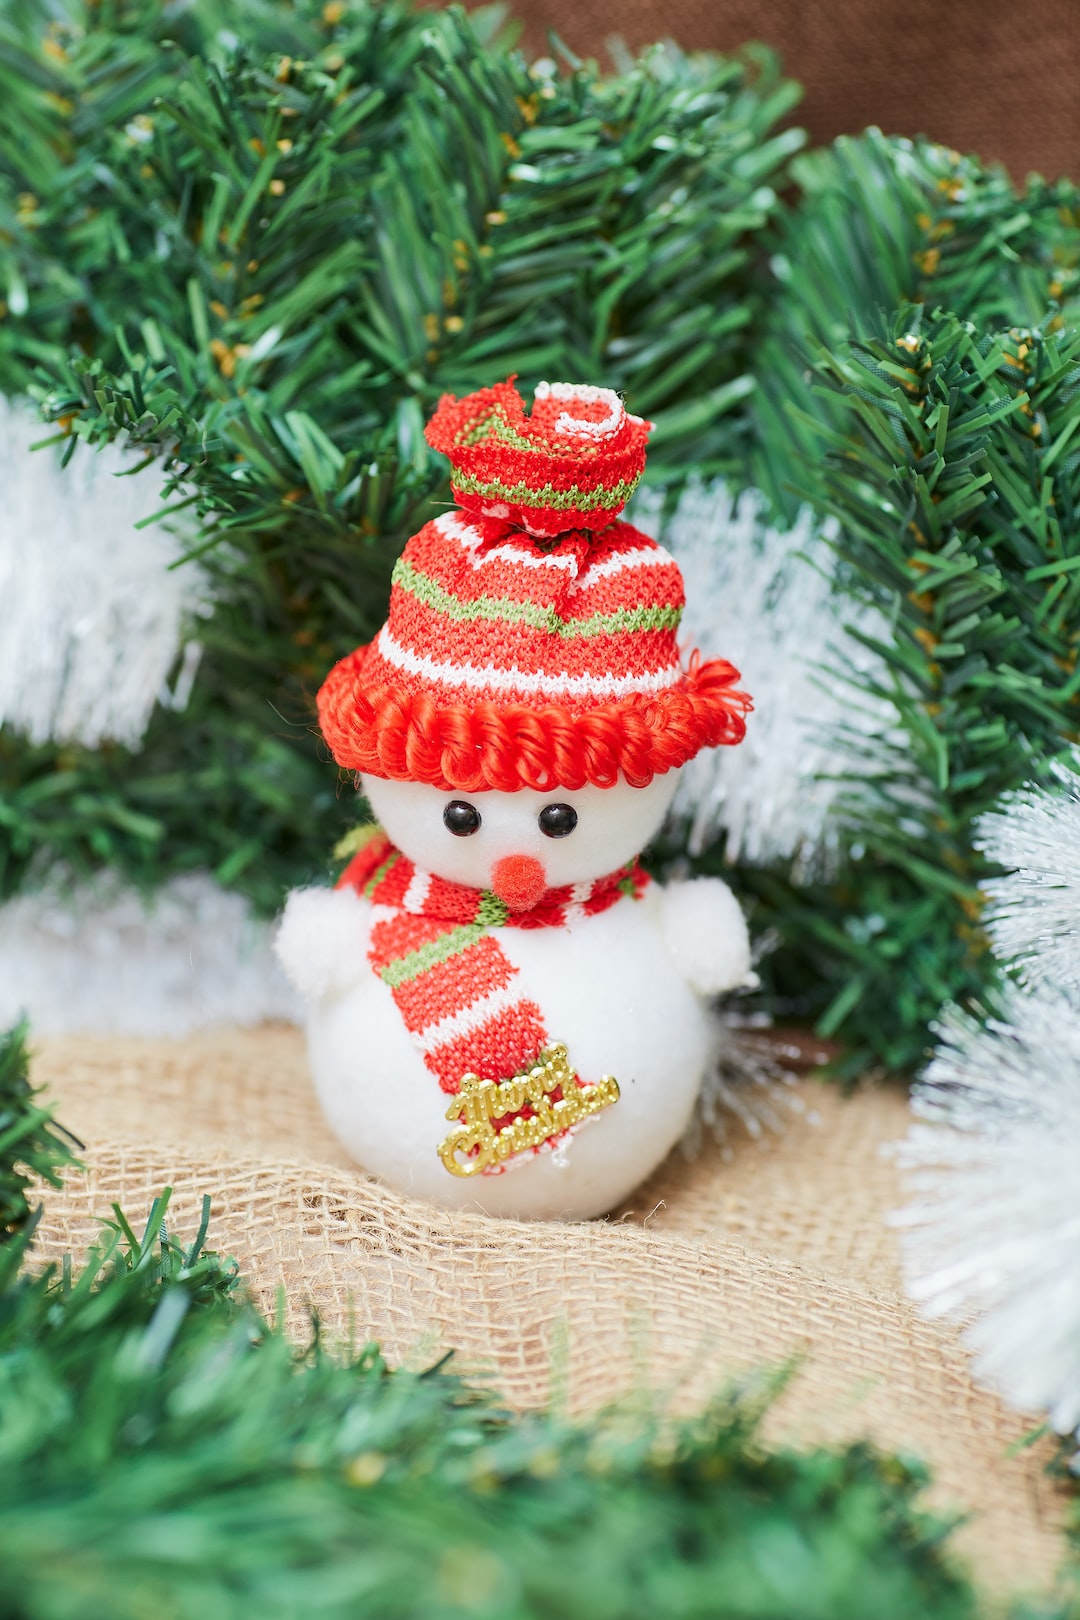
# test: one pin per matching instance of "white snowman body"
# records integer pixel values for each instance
(624, 990)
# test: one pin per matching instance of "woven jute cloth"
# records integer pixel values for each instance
(754, 1253)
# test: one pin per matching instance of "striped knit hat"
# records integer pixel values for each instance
(531, 638)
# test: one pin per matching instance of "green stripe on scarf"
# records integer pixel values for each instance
(452, 943)
(376, 878)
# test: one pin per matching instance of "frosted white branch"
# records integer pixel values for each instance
(1033, 913)
(993, 1222)
(95, 958)
(93, 618)
(745, 1080)
(765, 599)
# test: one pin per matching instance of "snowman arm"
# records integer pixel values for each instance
(706, 933)
(322, 941)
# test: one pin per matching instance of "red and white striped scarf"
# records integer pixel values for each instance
(459, 995)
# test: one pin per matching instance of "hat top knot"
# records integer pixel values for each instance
(572, 464)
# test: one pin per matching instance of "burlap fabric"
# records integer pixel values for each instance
(752, 1254)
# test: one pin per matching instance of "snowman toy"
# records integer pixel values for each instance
(506, 1013)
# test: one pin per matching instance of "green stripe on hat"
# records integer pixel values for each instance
(506, 611)
(605, 498)
(496, 426)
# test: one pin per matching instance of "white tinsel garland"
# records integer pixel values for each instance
(993, 1226)
(764, 597)
(97, 959)
(1033, 913)
(92, 616)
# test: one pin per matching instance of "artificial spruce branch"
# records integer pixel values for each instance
(881, 222)
(263, 262)
(33, 1149)
(955, 478)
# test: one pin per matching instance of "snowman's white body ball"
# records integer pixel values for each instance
(623, 990)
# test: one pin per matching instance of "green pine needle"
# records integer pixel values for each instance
(882, 222)
(264, 261)
(262, 243)
(33, 1149)
(953, 471)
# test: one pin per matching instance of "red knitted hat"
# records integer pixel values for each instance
(531, 638)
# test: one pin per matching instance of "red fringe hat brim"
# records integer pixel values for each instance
(470, 748)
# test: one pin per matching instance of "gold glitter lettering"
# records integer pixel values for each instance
(477, 1144)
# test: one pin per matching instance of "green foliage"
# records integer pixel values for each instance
(164, 1450)
(32, 1147)
(236, 794)
(952, 492)
(882, 222)
(954, 472)
(265, 262)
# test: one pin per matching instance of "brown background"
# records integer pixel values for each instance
(1001, 78)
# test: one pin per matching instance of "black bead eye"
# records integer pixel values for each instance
(557, 820)
(461, 818)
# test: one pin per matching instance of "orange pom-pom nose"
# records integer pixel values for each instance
(519, 881)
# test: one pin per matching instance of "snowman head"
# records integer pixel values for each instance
(519, 844)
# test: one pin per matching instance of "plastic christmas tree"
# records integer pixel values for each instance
(255, 244)
(262, 263)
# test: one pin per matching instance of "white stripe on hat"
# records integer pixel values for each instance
(586, 394)
(648, 557)
(451, 527)
(512, 679)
